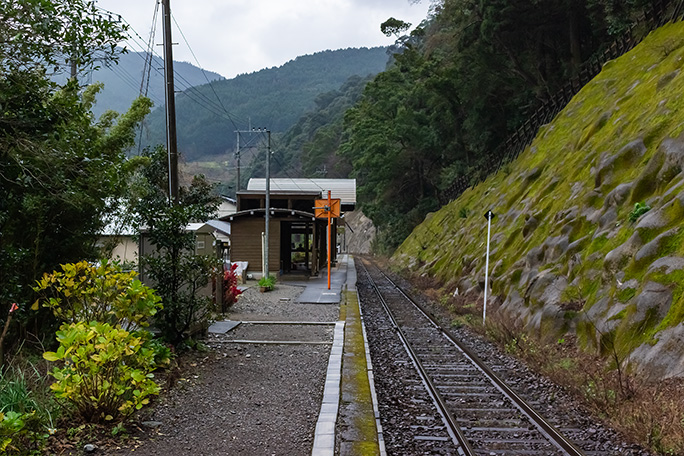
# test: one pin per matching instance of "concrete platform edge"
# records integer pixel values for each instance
(374, 396)
(324, 436)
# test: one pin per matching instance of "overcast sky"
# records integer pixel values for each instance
(233, 37)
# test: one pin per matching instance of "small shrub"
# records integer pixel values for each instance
(21, 433)
(230, 286)
(267, 282)
(104, 293)
(106, 372)
(463, 212)
(639, 209)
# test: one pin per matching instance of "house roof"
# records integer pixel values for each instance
(345, 189)
(219, 225)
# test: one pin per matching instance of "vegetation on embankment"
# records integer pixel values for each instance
(587, 238)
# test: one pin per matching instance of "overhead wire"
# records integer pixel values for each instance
(187, 88)
(147, 68)
(204, 73)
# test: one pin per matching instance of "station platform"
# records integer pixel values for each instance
(349, 418)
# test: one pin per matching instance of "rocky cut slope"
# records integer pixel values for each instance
(589, 230)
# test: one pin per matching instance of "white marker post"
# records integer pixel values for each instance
(489, 216)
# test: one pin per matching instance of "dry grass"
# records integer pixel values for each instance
(650, 413)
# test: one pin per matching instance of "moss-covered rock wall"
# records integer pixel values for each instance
(589, 227)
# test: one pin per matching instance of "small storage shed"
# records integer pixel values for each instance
(297, 240)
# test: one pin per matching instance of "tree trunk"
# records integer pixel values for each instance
(575, 40)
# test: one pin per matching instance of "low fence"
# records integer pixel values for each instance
(656, 15)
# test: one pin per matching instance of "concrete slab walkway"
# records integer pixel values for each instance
(316, 289)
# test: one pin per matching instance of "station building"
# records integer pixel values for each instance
(298, 241)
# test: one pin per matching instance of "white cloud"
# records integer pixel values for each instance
(241, 36)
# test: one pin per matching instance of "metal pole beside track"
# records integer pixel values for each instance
(489, 215)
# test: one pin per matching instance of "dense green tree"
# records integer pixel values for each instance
(53, 33)
(58, 165)
(460, 84)
(174, 270)
(308, 148)
(58, 170)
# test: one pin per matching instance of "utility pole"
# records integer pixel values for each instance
(171, 136)
(237, 157)
(74, 69)
(267, 202)
(237, 149)
(268, 199)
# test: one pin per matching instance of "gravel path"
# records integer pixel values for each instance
(246, 399)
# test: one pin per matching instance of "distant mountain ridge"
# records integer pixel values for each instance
(274, 98)
(122, 81)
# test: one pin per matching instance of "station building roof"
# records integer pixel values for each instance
(344, 189)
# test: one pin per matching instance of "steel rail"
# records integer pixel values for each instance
(546, 428)
(454, 429)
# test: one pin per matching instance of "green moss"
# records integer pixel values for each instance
(592, 129)
(635, 96)
(626, 294)
(630, 336)
(597, 244)
(671, 244)
(589, 287)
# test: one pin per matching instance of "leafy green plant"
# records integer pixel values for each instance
(267, 282)
(104, 293)
(179, 275)
(21, 433)
(106, 372)
(640, 209)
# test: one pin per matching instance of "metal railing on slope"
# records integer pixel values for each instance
(653, 17)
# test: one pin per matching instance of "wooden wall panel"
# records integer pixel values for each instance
(245, 240)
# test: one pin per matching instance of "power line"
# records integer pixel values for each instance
(204, 73)
(188, 88)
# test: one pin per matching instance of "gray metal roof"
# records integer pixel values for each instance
(220, 225)
(345, 189)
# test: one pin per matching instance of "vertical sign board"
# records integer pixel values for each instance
(330, 209)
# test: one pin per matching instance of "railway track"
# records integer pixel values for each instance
(479, 413)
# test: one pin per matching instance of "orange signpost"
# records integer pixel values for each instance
(323, 208)
(330, 209)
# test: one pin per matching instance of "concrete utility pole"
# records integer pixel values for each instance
(268, 198)
(267, 202)
(237, 157)
(171, 136)
(237, 153)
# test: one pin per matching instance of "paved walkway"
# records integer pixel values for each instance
(316, 289)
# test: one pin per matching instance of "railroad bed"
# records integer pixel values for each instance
(436, 396)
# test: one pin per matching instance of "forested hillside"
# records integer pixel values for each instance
(587, 245)
(459, 86)
(306, 148)
(275, 98)
(122, 81)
